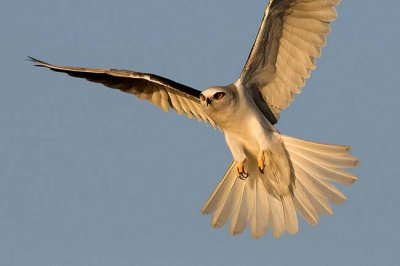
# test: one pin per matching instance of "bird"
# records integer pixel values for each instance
(273, 177)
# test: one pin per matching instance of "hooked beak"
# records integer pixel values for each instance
(208, 101)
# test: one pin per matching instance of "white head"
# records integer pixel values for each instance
(216, 97)
(215, 100)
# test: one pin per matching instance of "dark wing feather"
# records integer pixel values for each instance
(160, 91)
(289, 40)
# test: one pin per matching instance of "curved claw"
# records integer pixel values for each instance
(242, 173)
(261, 161)
(261, 170)
(243, 176)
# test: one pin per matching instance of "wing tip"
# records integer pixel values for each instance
(37, 62)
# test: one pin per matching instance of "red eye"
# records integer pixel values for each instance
(219, 95)
(202, 97)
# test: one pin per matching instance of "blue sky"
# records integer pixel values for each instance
(92, 176)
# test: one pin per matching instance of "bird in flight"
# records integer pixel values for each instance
(272, 177)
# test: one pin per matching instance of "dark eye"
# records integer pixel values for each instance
(202, 97)
(219, 95)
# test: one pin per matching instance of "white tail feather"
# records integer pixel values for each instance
(254, 201)
(260, 217)
(291, 223)
(277, 216)
(226, 206)
(304, 206)
(243, 211)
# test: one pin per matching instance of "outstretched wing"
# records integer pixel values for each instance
(289, 40)
(159, 91)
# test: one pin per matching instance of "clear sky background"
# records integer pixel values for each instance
(92, 176)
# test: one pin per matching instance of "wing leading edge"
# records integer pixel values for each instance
(160, 91)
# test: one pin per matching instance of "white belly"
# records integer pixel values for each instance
(251, 138)
(252, 134)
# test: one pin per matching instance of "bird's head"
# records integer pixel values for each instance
(216, 98)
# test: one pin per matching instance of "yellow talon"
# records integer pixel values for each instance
(261, 161)
(242, 173)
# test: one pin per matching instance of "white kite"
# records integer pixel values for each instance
(272, 175)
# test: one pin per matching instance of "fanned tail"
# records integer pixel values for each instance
(254, 201)
(315, 167)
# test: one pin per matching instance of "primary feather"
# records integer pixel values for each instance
(289, 40)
